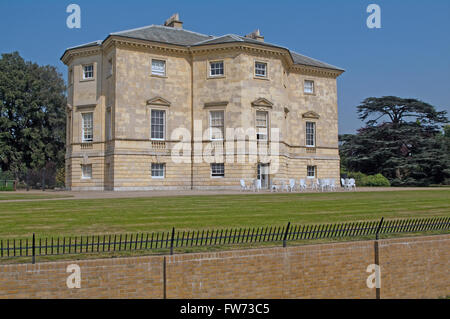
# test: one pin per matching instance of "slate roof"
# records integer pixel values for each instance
(169, 35)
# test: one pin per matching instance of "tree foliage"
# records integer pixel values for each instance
(408, 149)
(32, 115)
(399, 110)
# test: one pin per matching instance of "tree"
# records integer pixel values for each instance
(408, 149)
(398, 110)
(32, 115)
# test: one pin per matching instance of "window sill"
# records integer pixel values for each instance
(87, 80)
(158, 76)
(210, 77)
(154, 177)
(261, 78)
(217, 176)
(309, 94)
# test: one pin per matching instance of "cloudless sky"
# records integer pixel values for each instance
(408, 57)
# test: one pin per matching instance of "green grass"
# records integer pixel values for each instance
(106, 216)
(15, 196)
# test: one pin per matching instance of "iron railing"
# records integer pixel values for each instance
(33, 247)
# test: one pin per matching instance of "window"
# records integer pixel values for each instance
(216, 68)
(311, 171)
(158, 119)
(217, 170)
(309, 87)
(70, 77)
(87, 126)
(217, 125)
(110, 67)
(261, 125)
(158, 170)
(261, 69)
(159, 67)
(108, 124)
(88, 71)
(86, 171)
(310, 134)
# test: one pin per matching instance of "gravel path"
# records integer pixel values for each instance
(134, 194)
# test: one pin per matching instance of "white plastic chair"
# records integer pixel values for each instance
(324, 184)
(273, 187)
(343, 184)
(302, 185)
(243, 186)
(284, 186)
(332, 184)
(318, 184)
(352, 184)
(256, 185)
(291, 185)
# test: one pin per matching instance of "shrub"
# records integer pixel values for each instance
(377, 180)
(362, 179)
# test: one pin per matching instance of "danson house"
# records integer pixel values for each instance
(131, 94)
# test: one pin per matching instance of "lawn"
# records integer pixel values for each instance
(20, 196)
(106, 216)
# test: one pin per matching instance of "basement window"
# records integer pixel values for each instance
(158, 170)
(217, 170)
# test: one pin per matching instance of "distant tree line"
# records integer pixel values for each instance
(32, 120)
(405, 140)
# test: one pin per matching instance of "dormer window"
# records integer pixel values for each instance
(309, 87)
(159, 67)
(261, 69)
(216, 68)
(88, 72)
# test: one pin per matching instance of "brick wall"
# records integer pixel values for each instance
(410, 268)
(102, 278)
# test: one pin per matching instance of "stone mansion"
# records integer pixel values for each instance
(145, 106)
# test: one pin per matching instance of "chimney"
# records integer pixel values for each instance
(174, 22)
(255, 35)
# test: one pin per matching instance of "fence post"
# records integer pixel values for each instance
(33, 258)
(285, 234)
(379, 227)
(171, 240)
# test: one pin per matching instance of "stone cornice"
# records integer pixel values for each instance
(79, 52)
(132, 43)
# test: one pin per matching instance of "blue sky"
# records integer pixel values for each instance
(408, 57)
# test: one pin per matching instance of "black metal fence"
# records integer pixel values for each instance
(33, 247)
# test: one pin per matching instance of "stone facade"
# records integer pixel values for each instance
(123, 92)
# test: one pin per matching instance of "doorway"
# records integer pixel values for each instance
(263, 175)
